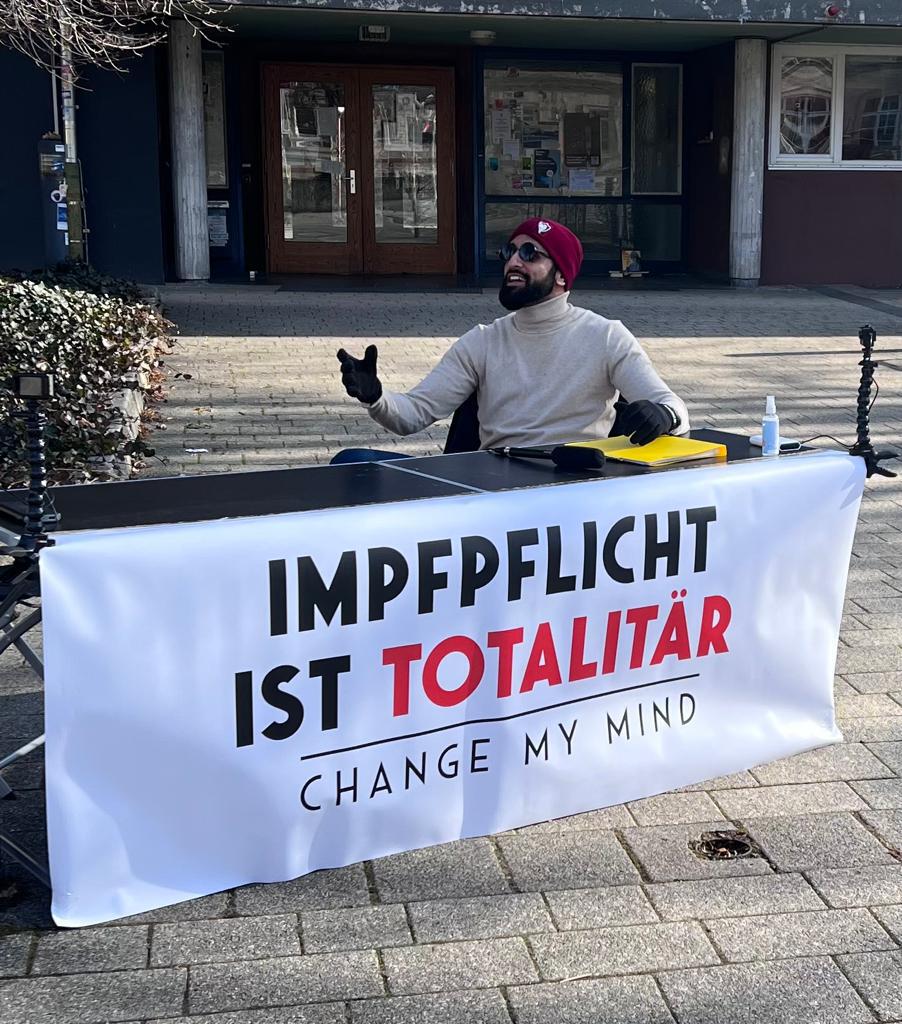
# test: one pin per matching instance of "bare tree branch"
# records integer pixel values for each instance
(99, 32)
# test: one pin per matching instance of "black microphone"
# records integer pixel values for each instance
(563, 456)
(574, 458)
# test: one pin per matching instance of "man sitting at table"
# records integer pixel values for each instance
(547, 373)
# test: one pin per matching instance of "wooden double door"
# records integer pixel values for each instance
(359, 169)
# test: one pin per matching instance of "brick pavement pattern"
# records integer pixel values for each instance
(604, 917)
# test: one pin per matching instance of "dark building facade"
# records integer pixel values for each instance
(742, 140)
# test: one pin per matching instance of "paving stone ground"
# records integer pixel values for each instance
(606, 917)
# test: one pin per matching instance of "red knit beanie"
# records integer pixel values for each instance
(559, 242)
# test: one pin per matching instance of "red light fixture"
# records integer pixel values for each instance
(833, 11)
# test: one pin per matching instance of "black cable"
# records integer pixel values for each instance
(52, 504)
(876, 387)
(836, 440)
(829, 437)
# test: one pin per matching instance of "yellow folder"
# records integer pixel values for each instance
(663, 451)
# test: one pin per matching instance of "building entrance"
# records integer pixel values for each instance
(359, 169)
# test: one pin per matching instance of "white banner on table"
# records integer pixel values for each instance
(250, 700)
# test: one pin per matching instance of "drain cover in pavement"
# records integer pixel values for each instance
(726, 844)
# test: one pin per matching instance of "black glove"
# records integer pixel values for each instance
(643, 421)
(359, 375)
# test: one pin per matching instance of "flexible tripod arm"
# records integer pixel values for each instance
(863, 447)
(38, 518)
(19, 578)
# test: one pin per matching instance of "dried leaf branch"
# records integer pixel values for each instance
(100, 32)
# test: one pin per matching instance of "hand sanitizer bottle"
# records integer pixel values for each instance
(770, 428)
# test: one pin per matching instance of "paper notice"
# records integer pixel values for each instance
(582, 180)
(501, 125)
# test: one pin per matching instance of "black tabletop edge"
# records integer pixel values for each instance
(155, 501)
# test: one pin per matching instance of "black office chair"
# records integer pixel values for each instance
(463, 434)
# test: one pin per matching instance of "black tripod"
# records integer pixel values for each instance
(863, 447)
(20, 579)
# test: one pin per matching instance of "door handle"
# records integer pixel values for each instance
(351, 179)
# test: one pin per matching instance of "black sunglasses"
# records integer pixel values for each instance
(528, 252)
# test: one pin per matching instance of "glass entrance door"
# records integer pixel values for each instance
(360, 171)
(313, 152)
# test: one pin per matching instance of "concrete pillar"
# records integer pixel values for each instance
(189, 166)
(749, 135)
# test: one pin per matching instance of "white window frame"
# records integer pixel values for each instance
(833, 160)
(657, 64)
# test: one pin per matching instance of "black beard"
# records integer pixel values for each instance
(527, 294)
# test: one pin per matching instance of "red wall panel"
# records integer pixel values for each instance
(832, 227)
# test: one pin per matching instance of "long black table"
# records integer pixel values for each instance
(268, 492)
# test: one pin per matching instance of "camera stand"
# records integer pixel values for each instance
(20, 579)
(863, 447)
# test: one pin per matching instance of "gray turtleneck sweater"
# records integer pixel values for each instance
(544, 375)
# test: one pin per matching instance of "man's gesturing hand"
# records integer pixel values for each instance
(643, 421)
(359, 375)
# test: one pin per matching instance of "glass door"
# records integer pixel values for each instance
(409, 188)
(312, 136)
(360, 170)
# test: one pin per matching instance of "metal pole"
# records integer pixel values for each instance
(74, 213)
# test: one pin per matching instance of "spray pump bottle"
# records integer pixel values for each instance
(770, 428)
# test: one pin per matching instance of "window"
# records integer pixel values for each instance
(657, 142)
(872, 128)
(653, 228)
(214, 120)
(600, 226)
(806, 90)
(563, 140)
(550, 131)
(836, 107)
